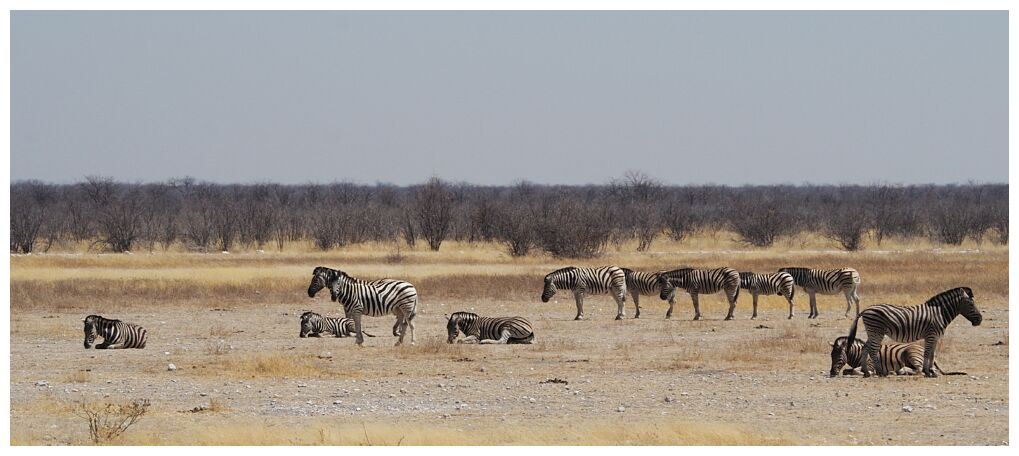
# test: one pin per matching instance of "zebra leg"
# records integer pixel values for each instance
(410, 324)
(754, 316)
(849, 301)
(619, 297)
(928, 356)
(790, 307)
(870, 356)
(357, 327)
(636, 304)
(732, 304)
(813, 304)
(579, 296)
(401, 320)
(501, 340)
(469, 340)
(672, 302)
(696, 306)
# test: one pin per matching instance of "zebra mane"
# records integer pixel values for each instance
(334, 272)
(309, 314)
(557, 271)
(959, 292)
(100, 318)
(462, 314)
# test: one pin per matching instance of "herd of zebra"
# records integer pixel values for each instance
(378, 298)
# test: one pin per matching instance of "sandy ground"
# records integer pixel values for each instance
(764, 381)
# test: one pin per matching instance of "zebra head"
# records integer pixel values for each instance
(91, 330)
(310, 322)
(665, 284)
(322, 277)
(549, 290)
(456, 323)
(968, 306)
(838, 356)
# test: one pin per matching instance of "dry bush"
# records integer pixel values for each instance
(108, 421)
(79, 376)
(216, 347)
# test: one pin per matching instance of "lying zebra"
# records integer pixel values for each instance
(892, 358)
(313, 324)
(489, 330)
(115, 333)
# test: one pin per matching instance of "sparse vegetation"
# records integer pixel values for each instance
(108, 421)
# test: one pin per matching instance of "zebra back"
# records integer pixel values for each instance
(645, 283)
(488, 328)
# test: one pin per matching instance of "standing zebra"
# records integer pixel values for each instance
(907, 324)
(643, 283)
(606, 279)
(700, 281)
(827, 282)
(115, 333)
(779, 283)
(374, 299)
(489, 330)
(893, 357)
(313, 325)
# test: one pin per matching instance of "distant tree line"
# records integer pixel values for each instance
(564, 221)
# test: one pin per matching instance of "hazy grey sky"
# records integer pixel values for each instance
(493, 97)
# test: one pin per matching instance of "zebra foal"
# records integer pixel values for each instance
(115, 333)
(827, 282)
(925, 322)
(584, 281)
(700, 281)
(313, 325)
(779, 283)
(489, 330)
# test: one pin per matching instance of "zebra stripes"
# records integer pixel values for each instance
(489, 330)
(827, 282)
(642, 283)
(374, 299)
(779, 283)
(925, 322)
(115, 333)
(583, 281)
(892, 357)
(313, 325)
(700, 281)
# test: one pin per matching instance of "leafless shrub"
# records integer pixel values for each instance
(758, 221)
(570, 229)
(108, 421)
(433, 210)
(847, 224)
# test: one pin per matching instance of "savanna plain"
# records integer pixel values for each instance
(228, 323)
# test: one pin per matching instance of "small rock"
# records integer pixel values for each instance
(203, 394)
(357, 409)
(337, 402)
(171, 367)
(621, 409)
(42, 383)
(907, 408)
(669, 399)
(532, 400)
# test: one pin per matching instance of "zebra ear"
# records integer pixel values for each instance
(446, 316)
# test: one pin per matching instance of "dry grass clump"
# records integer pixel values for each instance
(777, 346)
(78, 376)
(108, 421)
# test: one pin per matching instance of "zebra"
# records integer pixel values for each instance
(646, 283)
(313, 325)
(907, 324)
(115, 333)
(700, 281)
(489, 330)
(779, 283)
(893, 357)
(375, 299)
(606, 279)
(827, 282)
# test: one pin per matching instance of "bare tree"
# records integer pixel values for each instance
(120, 213)
(759, 221)
(433, 206)
(847, 225)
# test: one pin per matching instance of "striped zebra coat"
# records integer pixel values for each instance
(489, 330)
(584, 281)
(376, 298)
(827, 282)
(115, 333)
(925, 322)
(779, 283)
(643, 283)
(892, 357)
(700, 281)
(313, 325)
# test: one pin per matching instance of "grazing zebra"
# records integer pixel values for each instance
(489, 330)
(643, 283)
(606, 279)
(700, 281)
(907, 324)
(779, 283)
(313, 325)
(827, 282)
(892, 357)
(115, 333)
(374, 299)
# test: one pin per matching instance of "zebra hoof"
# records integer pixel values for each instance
(619, 317)
(578, 317)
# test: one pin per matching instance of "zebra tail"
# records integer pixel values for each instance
(936, 366)
(852, 331)
(366, 333)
